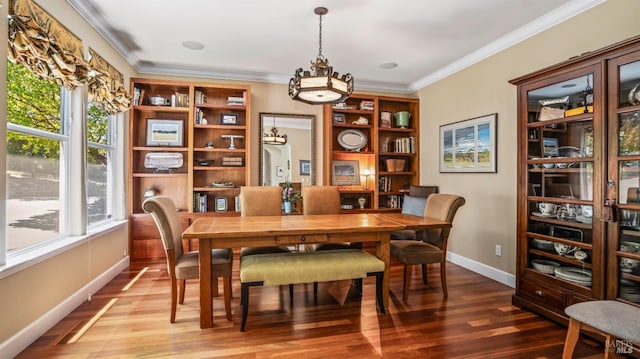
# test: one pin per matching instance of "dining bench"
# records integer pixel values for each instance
(306, 267)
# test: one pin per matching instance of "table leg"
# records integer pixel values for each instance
(206, 316)
(383, 251)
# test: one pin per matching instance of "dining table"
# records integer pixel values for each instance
(259, 231)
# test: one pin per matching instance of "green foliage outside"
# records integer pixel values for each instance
(36, 102)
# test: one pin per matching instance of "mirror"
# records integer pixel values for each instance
(291, 158)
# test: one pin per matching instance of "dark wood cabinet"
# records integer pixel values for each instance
(578, 181)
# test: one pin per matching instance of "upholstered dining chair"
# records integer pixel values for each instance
(433, 248)
(261, 201)
(414, 203)
(182, 266)
(322, 200)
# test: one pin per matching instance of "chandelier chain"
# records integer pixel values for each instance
(320, 39)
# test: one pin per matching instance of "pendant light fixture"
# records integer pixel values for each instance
(320, 85)
(274, 137)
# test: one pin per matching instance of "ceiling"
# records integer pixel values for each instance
(265, 41)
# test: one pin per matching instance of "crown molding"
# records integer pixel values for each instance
(537, 26)
(567, 11)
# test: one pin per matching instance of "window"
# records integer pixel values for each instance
(36, 141)
(100, 155)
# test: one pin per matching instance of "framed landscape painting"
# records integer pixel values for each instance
(469, 145)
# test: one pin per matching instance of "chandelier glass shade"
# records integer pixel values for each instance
(321, 85)
(274, 137)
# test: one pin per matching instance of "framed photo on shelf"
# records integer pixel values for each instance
(345, 173)
(221, 204)
(469, 145)
(167, 133)
(228, 119)
(305, 168)
(339, 118)
(550, 145)
(385, 119)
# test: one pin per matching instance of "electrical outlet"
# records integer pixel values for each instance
(89, 297)
(498, 250)
(124, 253)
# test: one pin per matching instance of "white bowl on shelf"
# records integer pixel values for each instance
(548, 165)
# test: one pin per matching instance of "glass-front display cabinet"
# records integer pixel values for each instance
(579, 181)
(561, 256)
(624, 172)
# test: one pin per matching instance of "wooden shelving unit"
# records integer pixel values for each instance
(206, 118)
(382, 188)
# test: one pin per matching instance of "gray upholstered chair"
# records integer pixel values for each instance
(182, 266)
(323, 200)
(433, 248)
(414, 203)
(261, 201)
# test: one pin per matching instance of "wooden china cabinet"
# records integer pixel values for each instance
(579, 181)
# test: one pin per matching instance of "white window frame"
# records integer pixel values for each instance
(110, 148)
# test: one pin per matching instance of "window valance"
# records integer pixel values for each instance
(106, 87)
(46, 47)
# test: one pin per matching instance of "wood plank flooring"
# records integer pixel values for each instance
(129, 318)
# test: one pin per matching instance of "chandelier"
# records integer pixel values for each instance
(274, 137)
(320, 85)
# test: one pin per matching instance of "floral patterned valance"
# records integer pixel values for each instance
(46, 47)
(106, 88)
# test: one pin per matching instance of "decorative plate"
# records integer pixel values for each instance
(222, 184)
(544, 266)
(352, 140)
(577, 275)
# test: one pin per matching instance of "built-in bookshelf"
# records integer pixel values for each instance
(365, 129)
(188, 141)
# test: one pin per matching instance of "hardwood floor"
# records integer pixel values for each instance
(129, 318)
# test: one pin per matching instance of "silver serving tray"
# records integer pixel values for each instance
(163, 161)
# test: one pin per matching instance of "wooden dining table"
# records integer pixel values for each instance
(259, 231)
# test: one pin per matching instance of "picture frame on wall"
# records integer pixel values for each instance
(469, 145)
(305, 168)
(345, 173)
(339, 118)
(165, 132)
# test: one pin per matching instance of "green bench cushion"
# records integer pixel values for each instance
(307, 267)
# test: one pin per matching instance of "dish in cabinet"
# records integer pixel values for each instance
(352, 140)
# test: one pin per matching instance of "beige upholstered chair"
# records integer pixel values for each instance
(261, 201)
(433, 249)
(323, 200)
(182, 266)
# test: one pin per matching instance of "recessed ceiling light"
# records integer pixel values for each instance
(389, 65)
(193, 45)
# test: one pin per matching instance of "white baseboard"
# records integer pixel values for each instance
(483, 269)
(35, 330)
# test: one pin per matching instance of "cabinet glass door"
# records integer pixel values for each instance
(564, 138)
(624, 171)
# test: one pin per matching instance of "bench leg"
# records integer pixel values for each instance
(244, 301)
(315, 289)
(573, 333)
(358, 284)
(379, 284)
(290, 294)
